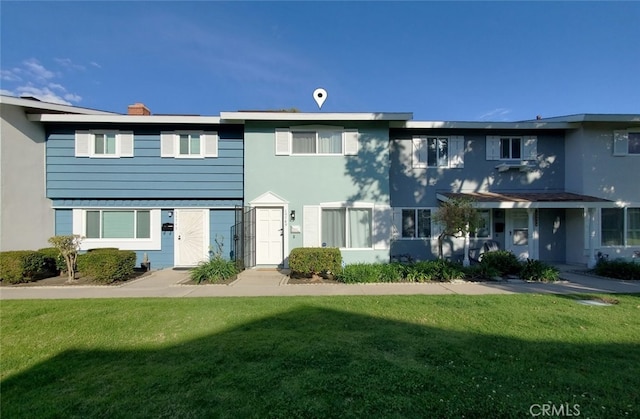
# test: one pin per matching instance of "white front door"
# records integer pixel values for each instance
(191, 236)
(517, 239)
(269, 236)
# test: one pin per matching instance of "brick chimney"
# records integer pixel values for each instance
(138, 109)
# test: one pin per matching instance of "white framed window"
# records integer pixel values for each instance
(346, 227)
(416, 223)
(103, 144)
(316, 141)
(483, 230)
(626, 142)
(430, 151)
(620, 227)
(507, 147)
(188, 144)
(124, 228)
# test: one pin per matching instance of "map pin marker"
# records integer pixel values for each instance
(320, 95)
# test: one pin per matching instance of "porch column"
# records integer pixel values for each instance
(531, 240)
(591, 261)
(465, 261)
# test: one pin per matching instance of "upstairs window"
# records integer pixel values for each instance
(503, 147)
(510, 148)
(316, 140)
(437, 151)
(103, 144)
(634, 142)
(189, 144)
(626, 142)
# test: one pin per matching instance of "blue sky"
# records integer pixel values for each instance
(502, 61)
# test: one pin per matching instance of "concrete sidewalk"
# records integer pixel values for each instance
(256, 282)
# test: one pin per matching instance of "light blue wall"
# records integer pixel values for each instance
(146, 175)
(63, 222)
(310, 180)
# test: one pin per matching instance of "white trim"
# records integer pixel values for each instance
(420, 144)
(484, 125)
(268, 199)
(301, 116)
(398, 223)
(79, 222)
(47, 106)
(125, 119)
(347, 206)
(545, 204)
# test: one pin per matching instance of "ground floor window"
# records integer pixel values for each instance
(416, 223)
(483, 229)
(346, 227)
(118, 224)
(620, 227)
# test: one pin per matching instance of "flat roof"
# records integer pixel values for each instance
(126, 119)
(35, 105)
(531, 125)
(529, 199)
(240, 117)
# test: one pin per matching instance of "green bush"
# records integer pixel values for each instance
(21, 265)
(481, 272)
(618, 269)
(535, 270)
(315, 260)
(392, 272)
(214, 270)
(505, 262)
(360, 272)
(53, 260)
(108, 265)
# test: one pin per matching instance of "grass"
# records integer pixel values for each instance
(388, 356)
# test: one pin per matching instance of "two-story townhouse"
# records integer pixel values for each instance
(169, 186)
(558, 189)
(316, 180)
(26, 216)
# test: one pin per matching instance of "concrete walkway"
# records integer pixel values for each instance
(257, 282)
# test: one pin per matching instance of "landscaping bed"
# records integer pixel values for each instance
(84, 280)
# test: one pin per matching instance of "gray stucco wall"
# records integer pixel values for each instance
(418, 187)
(26, 217)
(592, 169)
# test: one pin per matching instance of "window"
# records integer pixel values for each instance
(316, 140)
(416, 223)
(430, 152)
(118, 224)
(103, 144)
(187, 144)
(510, 148)
(620, 227)
(483, 229)
(634, 143)
(346, 228)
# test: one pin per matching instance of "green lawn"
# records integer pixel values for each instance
(389, 356)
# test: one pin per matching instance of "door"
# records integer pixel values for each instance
(191, 236)
(517, 240)
(269, 236)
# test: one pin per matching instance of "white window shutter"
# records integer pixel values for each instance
(382, 226)
(126, 144)
(620, 143)
(167, 144)
(283, 142)
(210, 141)
(436, 228)
(396, 225)
(419, 152)
(83, 143)
(493, 147)
(350, 140)
(530, 148)
(311, 226)
(456, 151)
(78, 221)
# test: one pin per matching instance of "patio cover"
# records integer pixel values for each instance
(529, 199)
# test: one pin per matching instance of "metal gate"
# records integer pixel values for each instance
(243, 232)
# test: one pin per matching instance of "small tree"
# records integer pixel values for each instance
(68, 247)
(458, 217)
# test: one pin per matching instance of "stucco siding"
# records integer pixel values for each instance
(552, 235)
(26, 218)
(146, 175)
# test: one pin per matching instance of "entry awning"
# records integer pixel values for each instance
(529, 199)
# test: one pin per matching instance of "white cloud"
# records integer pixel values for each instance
(32, 78)
(95, 64)
(495, 114)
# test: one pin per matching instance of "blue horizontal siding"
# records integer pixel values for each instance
(64, 222)
(220, 223)
(144, 203)
(146, 175)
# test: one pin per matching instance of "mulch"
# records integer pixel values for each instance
(62, 281)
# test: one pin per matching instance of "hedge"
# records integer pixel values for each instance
(18, 266)
(53, 260)
(107, 265)
(315, 260)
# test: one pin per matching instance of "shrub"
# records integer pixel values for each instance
(360, 272)
(434, 270)
(535, 270)
(53, 260)
(618, 269)
(107, 266)
(392, 272)
(502, 261)
(20, 265)
(481, 272)
(68, 247)
(315, 260)
(214, 270)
